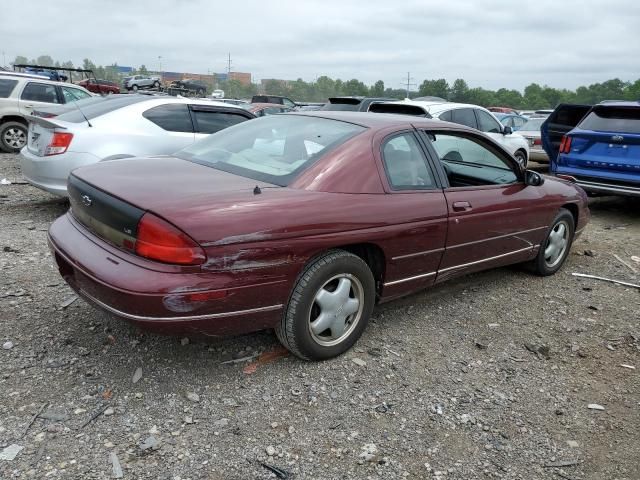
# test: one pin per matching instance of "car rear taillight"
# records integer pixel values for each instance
(58, 144)
(565, 144)
(161, 241)
(537, 141)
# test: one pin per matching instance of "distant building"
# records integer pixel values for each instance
(243, 78)
(124, 69)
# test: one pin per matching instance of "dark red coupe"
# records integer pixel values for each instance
(301, 222)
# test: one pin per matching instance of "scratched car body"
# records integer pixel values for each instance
(301, 222)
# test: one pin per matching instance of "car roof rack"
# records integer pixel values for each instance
(88, 73)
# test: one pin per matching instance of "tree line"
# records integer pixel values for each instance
(534, 96)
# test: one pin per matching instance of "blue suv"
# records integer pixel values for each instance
(598, 147)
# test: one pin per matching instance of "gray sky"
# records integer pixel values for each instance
(489, 43)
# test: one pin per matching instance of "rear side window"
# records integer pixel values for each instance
(447, 116)
(170, 117)
(212, 122)
(94, 107)
(6, 87)
(610, 119)
(405, 166)
(465, 116)
(40, 92)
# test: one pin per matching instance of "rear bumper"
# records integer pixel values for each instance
(608, 188)
(538, 156)
(51, 173)
(161, 297)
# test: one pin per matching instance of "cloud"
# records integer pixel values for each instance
(493, 43)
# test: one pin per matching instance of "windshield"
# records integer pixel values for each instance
(273, 149)
(612, 119)
(533, 125)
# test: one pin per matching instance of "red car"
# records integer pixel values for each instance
(103, 87)
(301, 222)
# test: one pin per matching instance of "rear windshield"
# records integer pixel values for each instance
(533, 124)
(6, 87)
(612, 119)
(101, 106)
(273, 149)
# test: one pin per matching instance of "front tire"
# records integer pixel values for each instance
(329, 306)
(13, 136)
(134, 88)
(556, 245)
(156, 84)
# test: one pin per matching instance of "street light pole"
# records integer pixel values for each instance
(160, 66)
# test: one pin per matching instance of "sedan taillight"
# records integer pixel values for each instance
(161, 241)
(59, 143)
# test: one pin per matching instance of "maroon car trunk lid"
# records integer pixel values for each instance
(174, 189)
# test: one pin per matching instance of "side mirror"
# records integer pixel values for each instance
(507, 130)
(533, 179)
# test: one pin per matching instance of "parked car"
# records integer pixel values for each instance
(511, 120)
(531, 132)
(597, 147)
(265, 225)
(263, 109)
(352, 104)
(507, 110)
(45, 72)
(233, 101)
(287, 102)
(470, 115)
(217, 94)
(20, 95)
(140, 81)
(196, 86)
(119, 126)
(103, 87)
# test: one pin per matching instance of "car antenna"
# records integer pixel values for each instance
(75, 102)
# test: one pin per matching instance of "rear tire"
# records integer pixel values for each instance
(13, 136)
(156, 84)
(329, 306)
(521, 157)
(556, 245)
(134, 88)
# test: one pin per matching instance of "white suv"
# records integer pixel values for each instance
(20, 95)
(472, 116)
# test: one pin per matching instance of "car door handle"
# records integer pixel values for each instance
(461, 206)
(28, 106)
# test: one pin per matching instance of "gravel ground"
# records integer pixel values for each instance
(441, 384)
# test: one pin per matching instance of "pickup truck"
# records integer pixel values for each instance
(140, 81)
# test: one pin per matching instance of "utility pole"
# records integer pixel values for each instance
(409, 84)
(229, 66)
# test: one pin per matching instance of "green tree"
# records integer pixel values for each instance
(355, 87)
(143, 70)
(377, 90)
(434, 88)
(20, 60)
(45, 61)
(459, 91)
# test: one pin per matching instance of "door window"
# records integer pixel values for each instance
(288, 103)
(40, 92)
(212, 122)
(6, 87)
(405, 165)
(518, 122)
(469, 162)
(486, 123)
(464, 116)
(170, 117)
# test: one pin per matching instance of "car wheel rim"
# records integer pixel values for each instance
(557, 243)
(336, 310)
(14, 138)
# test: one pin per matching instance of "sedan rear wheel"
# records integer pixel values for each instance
(329, 307)
(13, 136)
(556, 245)
(521, 158)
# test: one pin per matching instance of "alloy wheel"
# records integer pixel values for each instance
(556, 245)
(336, 310)
(15, 138)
